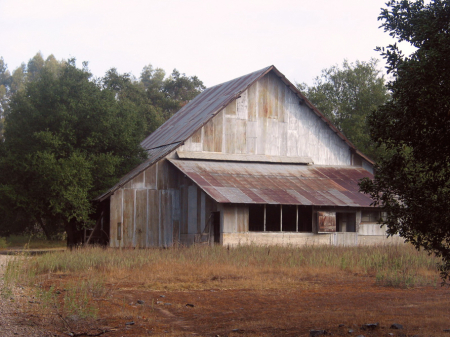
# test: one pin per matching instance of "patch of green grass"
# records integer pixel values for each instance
(32, 242)
(3, 243)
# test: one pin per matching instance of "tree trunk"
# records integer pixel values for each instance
(44, 229)
(70, 231)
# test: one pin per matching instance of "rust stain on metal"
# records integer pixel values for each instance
(252, 183)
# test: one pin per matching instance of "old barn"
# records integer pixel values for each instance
(247, 161)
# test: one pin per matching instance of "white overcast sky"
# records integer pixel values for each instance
(214, 39)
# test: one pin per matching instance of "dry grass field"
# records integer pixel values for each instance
(244, 291)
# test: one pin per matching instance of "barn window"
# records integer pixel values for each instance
(273, 222)
(256, 218)
(276, 218)
(370, 216)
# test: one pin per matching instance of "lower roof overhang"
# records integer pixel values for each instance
(267, 183)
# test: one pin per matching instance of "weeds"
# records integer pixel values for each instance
(3, 243)
(94, 273)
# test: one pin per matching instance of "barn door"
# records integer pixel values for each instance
(216, 226)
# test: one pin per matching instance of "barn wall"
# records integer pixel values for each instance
(160, 207)
(268, 119)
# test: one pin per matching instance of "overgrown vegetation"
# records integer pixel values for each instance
(30, 241)
(73, 281)
(66, 137)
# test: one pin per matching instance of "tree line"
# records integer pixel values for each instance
(66, 137)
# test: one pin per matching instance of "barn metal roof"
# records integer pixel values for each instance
(182, 125)
(254, 183)
(200, 110)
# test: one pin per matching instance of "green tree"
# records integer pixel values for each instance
(134, 94)
(171, 93)
(412, 181)
(67, 139)
(347, 95)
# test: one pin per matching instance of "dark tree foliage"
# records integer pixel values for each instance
(347, 95)
(67, 139)
(412, 181)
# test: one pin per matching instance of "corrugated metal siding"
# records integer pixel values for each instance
(153, 156)
(249, 183)
(197, 112)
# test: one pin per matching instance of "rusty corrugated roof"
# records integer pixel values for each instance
(252, 183)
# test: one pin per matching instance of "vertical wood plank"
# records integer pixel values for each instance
(230, 109)
(128, 217)
(252, 98)
(282, 89)
(192, 209)
(208, 139)
(241, 136)
(115, 216)
(218, 131)
(230, 135)
(272, 96)
(141, 218)
(153, 221)
(150, 177)
(242, 106)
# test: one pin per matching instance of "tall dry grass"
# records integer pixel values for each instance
(92, 273)
(200, 267)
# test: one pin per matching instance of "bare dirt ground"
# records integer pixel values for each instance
(340, 305)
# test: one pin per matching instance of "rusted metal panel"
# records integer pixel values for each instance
(115, 217)
(263, 98)
(208, 139)
(153, 156)
(229, 219)
(197, 136)
(166, 220)
(218, 132)
(141, 218)
(326, 222)
(192, 209)
(150, 177)
(184, 204)
(252, 102)
(245, 183)
(230, 135)
(138, 181)
(230, 109)
(153, 218)
(242, 106)
(241, 136)
(198, 111)
(273, 95)
(128, 218)
(282, 110)
(199, 210)
(242, 218)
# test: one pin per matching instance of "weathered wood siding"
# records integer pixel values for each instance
(268, 119)
(159, 207)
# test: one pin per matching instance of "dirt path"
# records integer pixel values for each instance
(13, 322)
